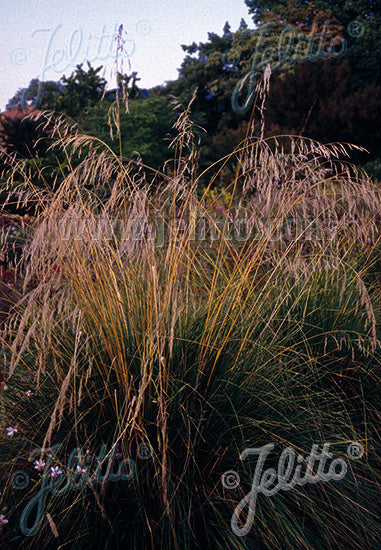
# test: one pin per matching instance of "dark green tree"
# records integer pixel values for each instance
(24, 137)
(81, 91)
(318, 100)
(71, 95)
(38, 94)
(144, 128)
(358, 22)
(210, 67)
(127, 83)
(242, 25)
(304, 11)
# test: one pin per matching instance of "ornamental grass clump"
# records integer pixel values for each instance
(150, 349)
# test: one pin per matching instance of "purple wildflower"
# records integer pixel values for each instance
(55, 471)
(3, 520)
(39, 464)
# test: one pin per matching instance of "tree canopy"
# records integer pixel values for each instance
(357, 21)
(303, 11)
(325, 58)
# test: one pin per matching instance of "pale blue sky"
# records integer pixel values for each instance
(46, 39)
